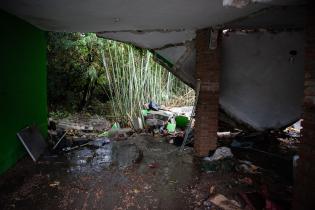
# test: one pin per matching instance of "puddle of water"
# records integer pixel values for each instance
(96, 156)
(101, 154)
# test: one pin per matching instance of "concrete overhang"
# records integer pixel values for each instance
(168, 29)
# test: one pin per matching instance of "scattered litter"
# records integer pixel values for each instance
(60, 140)
(247, 167)
(171, 127)
(222, 160)
(184, 111)
(67, 149)
(33, 141)
(224, 203)
(294, 130)
(83, 122)
(54, 184)
(220, 153)
(137, 123)
(227, 135)
(181, 121)
(154, 106)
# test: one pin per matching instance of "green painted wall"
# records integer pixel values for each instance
(23, 99)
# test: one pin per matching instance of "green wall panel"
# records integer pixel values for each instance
(23, 99)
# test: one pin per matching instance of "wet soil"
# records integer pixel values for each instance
(143, 172)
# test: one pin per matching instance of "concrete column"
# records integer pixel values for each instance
(207, 110)
(304, 192)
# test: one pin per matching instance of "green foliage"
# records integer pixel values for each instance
(73, 68)
(83, 67)
(135, 79)
(58, 114)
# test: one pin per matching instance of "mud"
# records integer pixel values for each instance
(142, 172)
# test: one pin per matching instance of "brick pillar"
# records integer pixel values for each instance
(304, 192)
(207, 110)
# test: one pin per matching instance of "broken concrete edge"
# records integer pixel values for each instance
(227, 117)
(163, 61)
(171, 68)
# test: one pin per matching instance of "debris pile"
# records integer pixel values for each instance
(261, 167)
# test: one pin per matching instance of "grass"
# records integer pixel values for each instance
(134, 79)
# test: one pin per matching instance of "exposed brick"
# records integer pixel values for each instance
(304, 189)
(208, 71)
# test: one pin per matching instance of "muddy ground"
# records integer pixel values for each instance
(143, 172)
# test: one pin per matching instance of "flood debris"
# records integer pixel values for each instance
(219, 154)
(54, 184)
(33, 141)
(224, 203)
(221, 160)
(245, 171)
(246, 166)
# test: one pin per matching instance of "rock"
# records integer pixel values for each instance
(220, 153)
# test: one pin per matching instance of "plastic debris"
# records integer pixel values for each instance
(220, 153)
(154, 106)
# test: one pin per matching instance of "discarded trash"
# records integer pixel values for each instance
(225, 203)
(220, 153)
(181, 121)
(104, 134)
(60, 139)
(247, 167)
(137, 123)
(54, 184)
(226, 135)
(221, 160)
(117, 134)
(67, 149)
(116, 126)
(33, 141)
(83, 122)
(154, 106)
(171, 127)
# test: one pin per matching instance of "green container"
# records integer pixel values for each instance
(181, 121)
(171, 127)
(145, 112)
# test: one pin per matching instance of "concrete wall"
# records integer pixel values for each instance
(261, 84)
(22, 84)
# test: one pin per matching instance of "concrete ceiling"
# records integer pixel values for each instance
(120, 15)
(168, 29)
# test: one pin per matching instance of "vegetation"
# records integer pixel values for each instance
(84, 70)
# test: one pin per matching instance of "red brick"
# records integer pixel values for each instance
(208, 71)
(304, 196)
